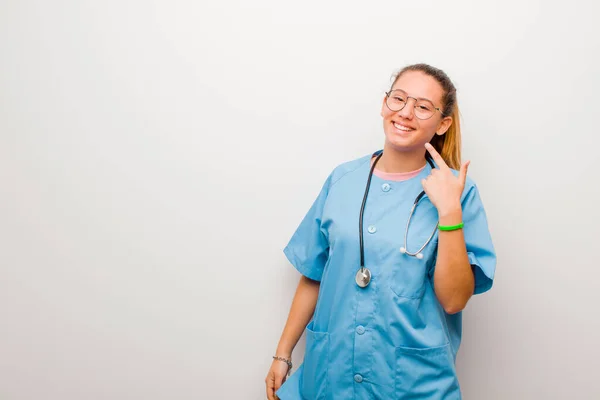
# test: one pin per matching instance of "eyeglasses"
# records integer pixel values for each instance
(396, 100)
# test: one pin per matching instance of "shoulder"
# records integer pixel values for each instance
(348, 168)
(470, 192)
(469, 182)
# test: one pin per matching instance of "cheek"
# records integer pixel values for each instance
(386, 113)
(429, 125)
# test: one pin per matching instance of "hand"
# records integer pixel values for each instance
(275, 378)
(442, 187)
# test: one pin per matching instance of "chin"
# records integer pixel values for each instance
(402, 144)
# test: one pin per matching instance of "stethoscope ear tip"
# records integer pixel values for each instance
(404, 251)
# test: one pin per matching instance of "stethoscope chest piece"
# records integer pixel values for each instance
(363, 277)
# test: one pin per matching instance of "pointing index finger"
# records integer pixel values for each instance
(436, 156)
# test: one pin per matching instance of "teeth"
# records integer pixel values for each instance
(402, 128)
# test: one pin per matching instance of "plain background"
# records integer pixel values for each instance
(156, 156)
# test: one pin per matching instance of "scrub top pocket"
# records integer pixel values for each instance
(316, 361)
(427, 373)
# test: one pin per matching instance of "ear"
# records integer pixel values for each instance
(444, 126)
(382, 106)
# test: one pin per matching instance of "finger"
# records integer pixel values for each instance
(436, 156)
(270, 390)
(278, 383)
(463, 172)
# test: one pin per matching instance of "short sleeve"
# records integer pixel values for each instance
(308, 248)
(480, 248)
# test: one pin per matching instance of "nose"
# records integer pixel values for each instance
(408, 111)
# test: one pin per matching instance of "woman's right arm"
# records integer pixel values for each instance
(301, 311)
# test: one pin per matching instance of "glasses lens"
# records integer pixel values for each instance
(424, 109)
(396, 100)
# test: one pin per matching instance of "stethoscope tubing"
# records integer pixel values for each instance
(362, 213)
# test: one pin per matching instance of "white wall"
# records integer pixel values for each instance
(155, 157)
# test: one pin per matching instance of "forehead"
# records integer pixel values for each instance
(420, 85)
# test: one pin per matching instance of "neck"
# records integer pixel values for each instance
(394, 161)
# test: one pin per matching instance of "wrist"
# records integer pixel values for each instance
(284, 351)
(450, 216)
(287, 356)
(286, 360)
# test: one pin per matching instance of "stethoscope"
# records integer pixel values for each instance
(363, 275)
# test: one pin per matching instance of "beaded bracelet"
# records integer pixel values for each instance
(287, 361)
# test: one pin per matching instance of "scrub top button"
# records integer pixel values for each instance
(360, 329)
(358, 378)
(372, 229)
(385, 187)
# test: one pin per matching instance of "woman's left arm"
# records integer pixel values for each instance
(453, 278)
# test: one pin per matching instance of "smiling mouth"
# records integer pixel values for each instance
(402, 128)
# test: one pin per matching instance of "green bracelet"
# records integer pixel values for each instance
(451, 227)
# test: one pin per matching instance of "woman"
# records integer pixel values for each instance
(381, 305)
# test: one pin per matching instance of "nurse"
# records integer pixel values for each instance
(381, 305)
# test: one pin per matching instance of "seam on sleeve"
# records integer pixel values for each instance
(294, 260)
(485, 284)
(346, 173)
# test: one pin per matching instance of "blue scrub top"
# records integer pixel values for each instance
(391, 339)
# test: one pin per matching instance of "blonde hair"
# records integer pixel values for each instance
(448, 144)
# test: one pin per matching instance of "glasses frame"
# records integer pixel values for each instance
(387, 96)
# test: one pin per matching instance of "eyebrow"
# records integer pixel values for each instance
(418, 98)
